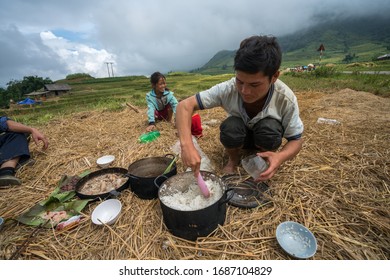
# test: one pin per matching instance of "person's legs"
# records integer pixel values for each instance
(24, 162)
(157, 115)
(165, 114)
(12, 163)
(234, 160)
(233, 133)
(13, 149)
(268, 134)
(7, 177)
(169, 113)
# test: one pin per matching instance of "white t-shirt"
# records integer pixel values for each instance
(281, 104)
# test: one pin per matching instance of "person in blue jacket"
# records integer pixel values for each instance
(14, 150)
(160, 100)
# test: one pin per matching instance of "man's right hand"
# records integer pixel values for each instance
(191, 158)
(189, 155)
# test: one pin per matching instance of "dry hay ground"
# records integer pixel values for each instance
(338, 187)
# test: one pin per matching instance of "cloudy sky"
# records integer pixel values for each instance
(54, 38)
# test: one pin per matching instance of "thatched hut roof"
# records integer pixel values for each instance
(57, 87)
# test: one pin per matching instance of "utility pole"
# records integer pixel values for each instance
(108, 69)
(321, 49)
(112, 70)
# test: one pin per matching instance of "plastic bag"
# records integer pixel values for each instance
(205, 163)
(328, 121)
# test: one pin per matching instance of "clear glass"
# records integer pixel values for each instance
(254, 165)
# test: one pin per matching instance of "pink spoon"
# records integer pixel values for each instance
(203, 187)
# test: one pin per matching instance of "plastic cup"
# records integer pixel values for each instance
(254, 165)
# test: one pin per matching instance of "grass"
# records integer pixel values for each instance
(378, 84)
(112, 93)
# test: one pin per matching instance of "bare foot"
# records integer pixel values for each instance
(230, 168)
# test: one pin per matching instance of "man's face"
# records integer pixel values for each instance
(253, 87)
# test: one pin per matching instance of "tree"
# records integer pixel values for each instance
(348, 58)
(78, 76)
(16, 89)
(4, 100)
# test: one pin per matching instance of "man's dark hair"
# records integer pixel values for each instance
(258, 54)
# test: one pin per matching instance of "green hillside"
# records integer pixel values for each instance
(363, 39)
(113, 93)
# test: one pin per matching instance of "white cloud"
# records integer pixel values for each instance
(141, 37)
(77, 57)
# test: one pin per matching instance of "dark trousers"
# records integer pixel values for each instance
(266, 135)
(13, 145)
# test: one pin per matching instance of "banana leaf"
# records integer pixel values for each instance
(33, 217)
(58, 200)
(65, 188)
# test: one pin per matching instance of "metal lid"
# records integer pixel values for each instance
(247, 192)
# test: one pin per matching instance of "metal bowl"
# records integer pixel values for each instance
(296, 240)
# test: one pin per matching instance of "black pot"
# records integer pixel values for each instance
(195, 223)
(102, 196)
(146, 175)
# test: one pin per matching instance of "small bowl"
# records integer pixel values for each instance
(105, 161)
(106, 212)
(296, 240)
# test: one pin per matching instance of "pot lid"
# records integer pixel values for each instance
(247, 193)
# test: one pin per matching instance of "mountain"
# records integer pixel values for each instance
(359, 39)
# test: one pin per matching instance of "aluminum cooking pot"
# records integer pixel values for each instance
(191, 224)
(144, 173)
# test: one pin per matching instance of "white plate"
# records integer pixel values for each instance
(296, 240)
